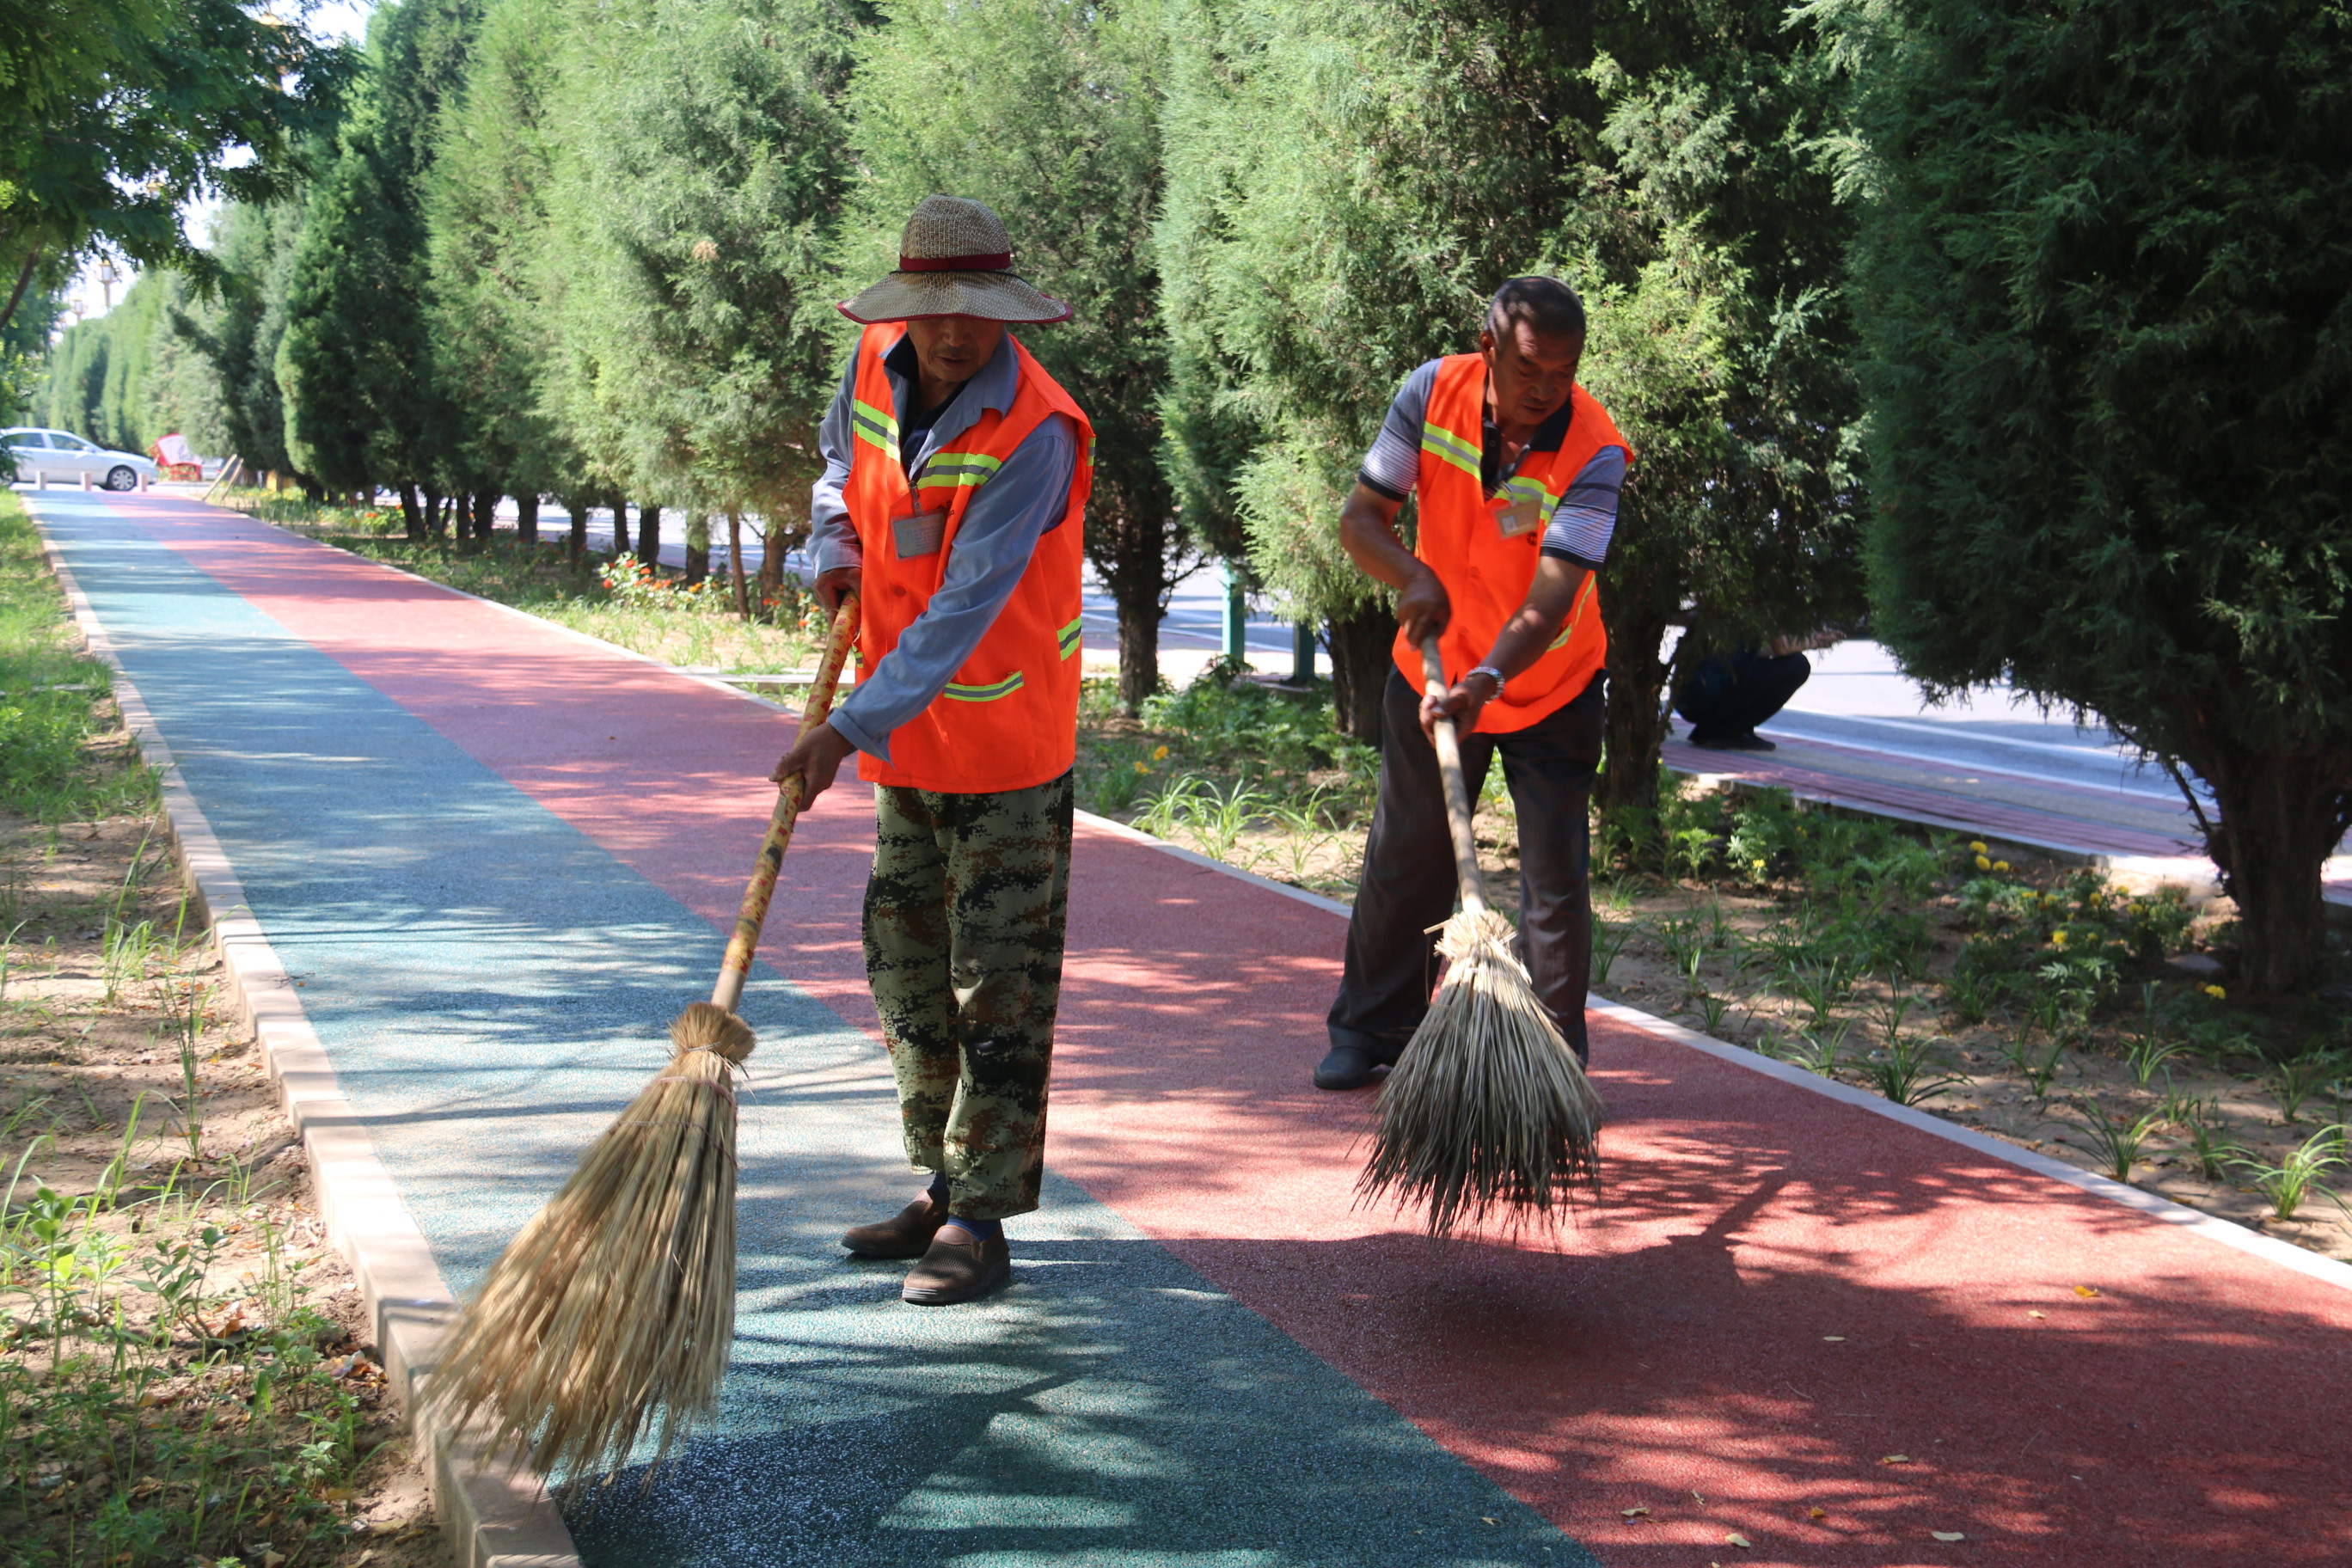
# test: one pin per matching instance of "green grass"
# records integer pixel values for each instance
(151, 1409)
(53, 697)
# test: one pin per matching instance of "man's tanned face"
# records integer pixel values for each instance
(1530, 373)
(953, 348)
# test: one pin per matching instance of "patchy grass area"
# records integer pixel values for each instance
(2033, 1001)
(54, 700)
(1245, 773)
(617, 600)
(185, 1371)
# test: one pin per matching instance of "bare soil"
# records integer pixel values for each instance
(86, 1046)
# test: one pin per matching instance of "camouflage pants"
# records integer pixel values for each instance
(964, 916)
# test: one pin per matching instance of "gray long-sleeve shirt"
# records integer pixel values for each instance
(1022, 501)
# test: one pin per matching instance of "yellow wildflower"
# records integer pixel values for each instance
(2215, 992)
(1983, 864)
(2001, 865)
(1160, 754)
(1977, 845)
(1143, 767)
(2057, 939)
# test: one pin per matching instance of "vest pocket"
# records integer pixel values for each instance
(989, 693)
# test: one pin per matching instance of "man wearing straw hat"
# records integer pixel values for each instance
(953, 496)
(1516, 470)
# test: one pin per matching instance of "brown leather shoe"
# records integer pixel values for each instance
(904, 1235)
(957, 1268)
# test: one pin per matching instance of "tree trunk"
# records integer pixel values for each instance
(771, 565)
(648, 535)
(2281, 816)
(412, 516)
(735, 563)
(1139, 650)
(527, 519)
(1361, 661)
(486, 515)
(437, 522)
(1628, 784)
(1128, 537)
(578, 542)
(697, 547)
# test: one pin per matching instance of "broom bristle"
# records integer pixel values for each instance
(610, 1317)
(1488, 1112)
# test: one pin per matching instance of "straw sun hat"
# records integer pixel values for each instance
(955, 259)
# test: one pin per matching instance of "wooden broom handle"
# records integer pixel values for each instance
(736, 967)
(1458, 791)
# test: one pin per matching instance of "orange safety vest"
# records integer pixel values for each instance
(1009, 719)
(1484, 549)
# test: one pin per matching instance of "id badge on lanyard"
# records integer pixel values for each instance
(1517, 517)
(921, 535)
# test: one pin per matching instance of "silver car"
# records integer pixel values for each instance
(64, 455)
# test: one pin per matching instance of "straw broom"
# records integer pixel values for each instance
(611, 1313)
(1487, 1112)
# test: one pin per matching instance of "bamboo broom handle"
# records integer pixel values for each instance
(736, 967)
(1457, 791)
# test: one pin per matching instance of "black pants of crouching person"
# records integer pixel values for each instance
(1409, 883)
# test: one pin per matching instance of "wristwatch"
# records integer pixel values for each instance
(1485, 669)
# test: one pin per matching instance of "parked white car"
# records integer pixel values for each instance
(62, 455)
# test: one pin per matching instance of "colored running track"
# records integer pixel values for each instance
(1794, 1330)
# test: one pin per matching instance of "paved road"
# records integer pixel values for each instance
(501, 857)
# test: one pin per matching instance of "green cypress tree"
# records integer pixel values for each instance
(496, 277)
(238, 332)
(1060, 135)
(364, 404)
(1350, 182)
(2110, 379)
(700, 222)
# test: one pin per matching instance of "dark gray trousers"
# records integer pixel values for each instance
(1409, 886)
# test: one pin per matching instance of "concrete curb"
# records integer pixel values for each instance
(494, 1512)
(2228, 1233)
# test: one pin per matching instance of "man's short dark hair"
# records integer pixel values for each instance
(1546, 304)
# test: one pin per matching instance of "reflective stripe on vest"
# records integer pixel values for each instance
(950, 468)
(1486, 567)
(1008, 718)
(878, 426)
(1073, 636)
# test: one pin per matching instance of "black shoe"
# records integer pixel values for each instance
(958, 1267)
(1348, 1067)
(1746, 740)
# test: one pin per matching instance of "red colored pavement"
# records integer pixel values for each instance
(1784, 1303)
